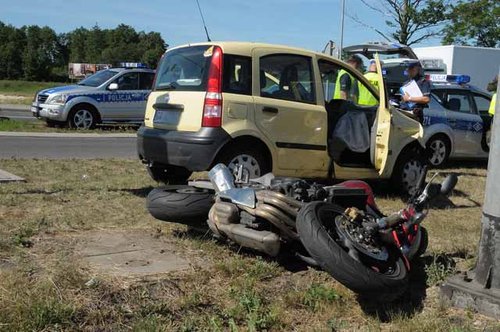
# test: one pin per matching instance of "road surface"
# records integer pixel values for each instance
(65, 146)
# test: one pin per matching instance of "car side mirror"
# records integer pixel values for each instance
(113, 86)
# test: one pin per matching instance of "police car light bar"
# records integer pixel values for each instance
(441, 78)
(133, 65)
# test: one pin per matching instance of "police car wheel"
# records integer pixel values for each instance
(83, 118)
(438, 150)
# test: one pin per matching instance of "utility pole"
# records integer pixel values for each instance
(479, 289)
(342, 30)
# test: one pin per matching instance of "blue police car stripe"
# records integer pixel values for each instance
(113, 97)
(458, 124)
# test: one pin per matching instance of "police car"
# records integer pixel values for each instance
(457, 119)
(109, 96)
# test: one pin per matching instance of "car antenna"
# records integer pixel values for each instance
(203, 20)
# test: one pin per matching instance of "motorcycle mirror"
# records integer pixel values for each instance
(448, 184)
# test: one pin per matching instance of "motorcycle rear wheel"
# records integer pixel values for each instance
(316, 228)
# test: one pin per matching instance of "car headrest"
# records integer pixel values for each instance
(454, 104)
(288, 76)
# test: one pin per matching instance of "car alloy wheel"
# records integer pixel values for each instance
(83, 119)
(250, 165)
(438, 151)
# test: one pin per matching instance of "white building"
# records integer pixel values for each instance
(480, 63)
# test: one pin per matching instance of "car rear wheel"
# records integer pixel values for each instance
(252, 159)
(83, 117)
(438, 148)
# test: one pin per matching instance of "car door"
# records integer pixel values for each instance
(482, 103)
(466, 124)
(145, 85)
(287, 111)
(381, 131)
(122, 103)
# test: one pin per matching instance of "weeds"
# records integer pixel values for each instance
(440, 268)
(317, 295)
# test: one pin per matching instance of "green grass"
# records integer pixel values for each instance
(22, 92)
(25, 88)
(44, 283)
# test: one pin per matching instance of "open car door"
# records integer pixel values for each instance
(381, 129)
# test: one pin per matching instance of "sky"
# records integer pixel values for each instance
(303, 23)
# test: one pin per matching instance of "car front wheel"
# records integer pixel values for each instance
(82, 117)
(407, 171)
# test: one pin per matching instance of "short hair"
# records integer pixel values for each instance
(356, 59)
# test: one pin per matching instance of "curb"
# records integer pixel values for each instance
(64, 135)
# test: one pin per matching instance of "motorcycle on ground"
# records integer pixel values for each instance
(337, 228)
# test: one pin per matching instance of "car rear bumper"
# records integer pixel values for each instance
(195, 151)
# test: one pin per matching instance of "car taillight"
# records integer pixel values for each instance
(212, 108)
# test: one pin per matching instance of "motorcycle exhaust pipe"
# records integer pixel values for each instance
(263, 241)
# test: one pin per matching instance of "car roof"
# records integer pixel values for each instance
(456, 86)
(246, 48)
(120, 69)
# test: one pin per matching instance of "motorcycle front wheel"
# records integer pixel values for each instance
(384, 281)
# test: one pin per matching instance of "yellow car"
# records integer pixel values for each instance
(270, 108)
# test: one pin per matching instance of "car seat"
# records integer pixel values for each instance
(454, 104)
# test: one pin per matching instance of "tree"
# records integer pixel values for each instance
(474, 23)
(12, 44)
(41, 53)
(411, 21)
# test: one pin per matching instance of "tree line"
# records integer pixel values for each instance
(37, 53)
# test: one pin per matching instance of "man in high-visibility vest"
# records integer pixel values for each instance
(493, 104)
(365, 96)
(346, 86)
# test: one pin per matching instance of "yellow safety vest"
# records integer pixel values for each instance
(365, 96)
(493, 104)
(336, 94)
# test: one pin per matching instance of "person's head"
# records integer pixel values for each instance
(373, 66)
(355, 61)
(414, 68)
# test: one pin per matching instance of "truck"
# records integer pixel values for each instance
(480, 63)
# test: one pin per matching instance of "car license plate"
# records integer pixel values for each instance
(34, 109)
(167, 117)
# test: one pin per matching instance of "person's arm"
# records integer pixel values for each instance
(425, 87)
(418, 100)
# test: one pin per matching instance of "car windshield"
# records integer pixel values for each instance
(184, 69)
(98, 78)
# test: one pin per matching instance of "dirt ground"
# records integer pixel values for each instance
(78, 251)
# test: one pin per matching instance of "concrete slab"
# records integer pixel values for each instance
(9, 177)
(130, 254)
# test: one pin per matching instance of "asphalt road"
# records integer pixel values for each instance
(65, 146)
(16, 112)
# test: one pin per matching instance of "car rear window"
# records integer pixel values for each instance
(184, 69)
